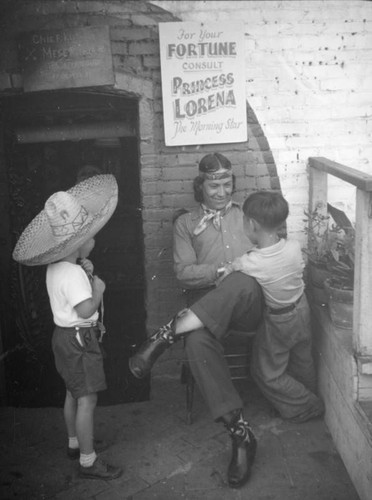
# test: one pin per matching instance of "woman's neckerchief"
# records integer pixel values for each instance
(211, 215)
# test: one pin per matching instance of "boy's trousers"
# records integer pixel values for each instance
(237, 303)
(282, 363)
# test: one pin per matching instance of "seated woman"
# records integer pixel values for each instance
(283, 365)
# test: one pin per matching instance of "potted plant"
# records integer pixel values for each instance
(339, 285)
(320, 242)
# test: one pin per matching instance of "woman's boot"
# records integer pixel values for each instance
(142, 362)
(244, 447)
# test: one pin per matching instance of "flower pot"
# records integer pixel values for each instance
(317, 274)
(340, 304)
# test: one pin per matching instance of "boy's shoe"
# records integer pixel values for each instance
(316, 411)
(73, 453)
(100, 470)
(99, 446)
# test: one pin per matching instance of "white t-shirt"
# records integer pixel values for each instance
(67, 286)
(278, 269)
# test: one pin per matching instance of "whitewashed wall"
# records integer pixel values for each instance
(308, 80)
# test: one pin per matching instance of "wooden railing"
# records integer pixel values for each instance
(319, 169)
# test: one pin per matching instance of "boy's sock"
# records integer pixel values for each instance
(88, 460)
(73, 442)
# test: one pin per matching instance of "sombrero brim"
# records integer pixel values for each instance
(38, 245)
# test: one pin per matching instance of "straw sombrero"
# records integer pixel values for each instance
(69, 218)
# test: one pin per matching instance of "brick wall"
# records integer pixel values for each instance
(309, 81)
(166, 173)
(308, 93)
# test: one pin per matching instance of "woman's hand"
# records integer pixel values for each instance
(223, 271)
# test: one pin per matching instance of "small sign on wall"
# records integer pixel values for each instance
(68, 58)
(203, 82)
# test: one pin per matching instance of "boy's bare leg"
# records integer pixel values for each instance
(69, 413)
(91, 466)
(85, 422)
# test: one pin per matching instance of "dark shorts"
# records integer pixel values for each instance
(80, 366)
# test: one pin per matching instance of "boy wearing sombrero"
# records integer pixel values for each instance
(60, 236)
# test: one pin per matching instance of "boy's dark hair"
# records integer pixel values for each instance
(198, 188)
(268, 208)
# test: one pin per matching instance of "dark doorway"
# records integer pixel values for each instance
(36, 168)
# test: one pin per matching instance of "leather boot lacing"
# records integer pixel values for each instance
(143, 360)
(165, 333)
(244, 447)
(239, 427)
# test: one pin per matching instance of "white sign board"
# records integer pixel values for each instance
(203, 83)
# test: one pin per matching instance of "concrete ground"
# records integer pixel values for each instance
(164, 458)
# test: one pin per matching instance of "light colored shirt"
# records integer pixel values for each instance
(197, 257)
(68, 285)
(278, 269)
